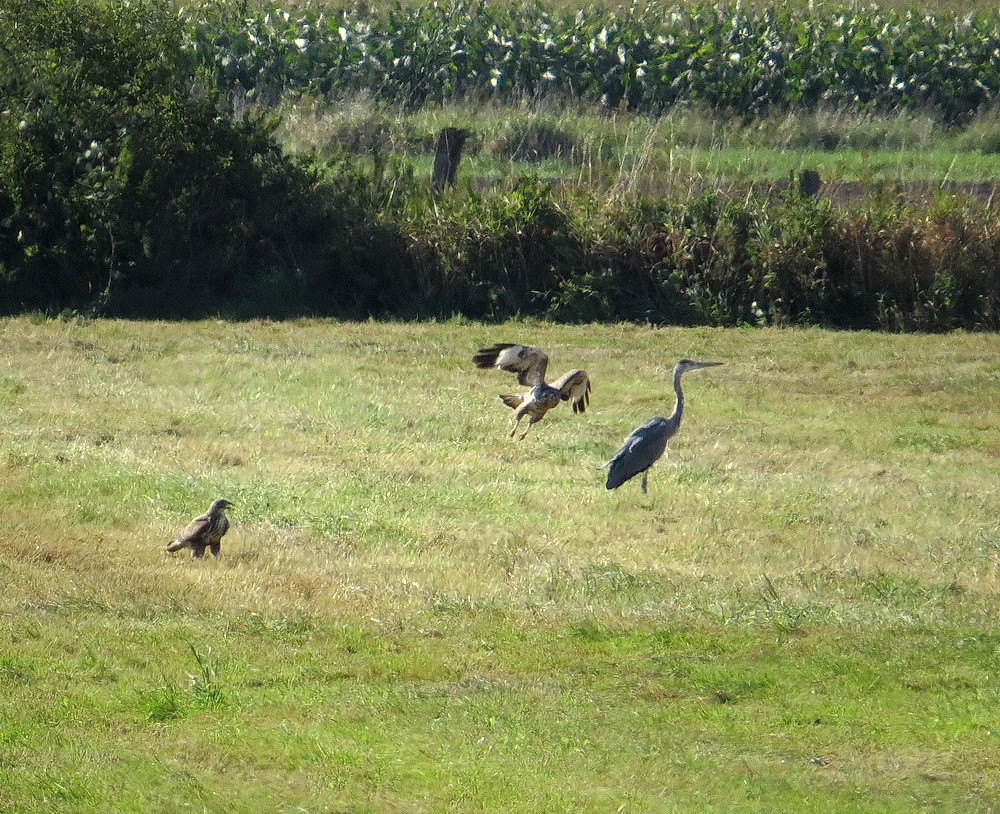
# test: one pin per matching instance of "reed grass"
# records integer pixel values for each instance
(671, 154)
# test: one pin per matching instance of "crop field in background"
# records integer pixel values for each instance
(745, 59)
(727, 95)
(731, 95)
(415, 613)
(623, 164)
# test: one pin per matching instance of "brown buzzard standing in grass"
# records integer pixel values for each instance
(529, 364)
(205, 531)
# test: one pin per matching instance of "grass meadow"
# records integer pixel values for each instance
(683, 151)
(415, 613)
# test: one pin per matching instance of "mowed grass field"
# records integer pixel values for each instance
(414, 612)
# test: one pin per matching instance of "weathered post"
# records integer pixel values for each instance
(809, 182)
(449, 151)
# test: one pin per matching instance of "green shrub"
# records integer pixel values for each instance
(129, 184)
(496, 255)
(119, 170)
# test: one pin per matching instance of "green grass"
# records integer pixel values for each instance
(414, 612)
(666, 155)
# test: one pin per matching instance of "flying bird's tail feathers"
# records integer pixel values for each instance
(512, 401)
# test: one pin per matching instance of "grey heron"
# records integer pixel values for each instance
(205, 531)
(530, 364)
(647, 443)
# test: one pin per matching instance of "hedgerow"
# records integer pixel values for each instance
(525, 249)
(131, 183)
(118, 167)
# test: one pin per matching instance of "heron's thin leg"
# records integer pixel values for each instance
(645, 472)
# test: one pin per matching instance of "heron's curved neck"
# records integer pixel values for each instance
(679, 405)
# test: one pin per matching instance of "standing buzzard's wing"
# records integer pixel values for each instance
(527, 362)
(195, 533)
(574, 387)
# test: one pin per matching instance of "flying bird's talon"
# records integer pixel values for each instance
(529, 365)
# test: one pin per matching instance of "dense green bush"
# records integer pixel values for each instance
(130, 184)
(787, 258)
(494, 255)
(119, 172)
(774, 258)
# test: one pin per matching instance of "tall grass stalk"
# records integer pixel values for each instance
(667, 154)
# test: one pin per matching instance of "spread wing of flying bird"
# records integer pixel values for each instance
(529, 365)
(205, 531)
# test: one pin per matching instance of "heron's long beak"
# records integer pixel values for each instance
(699, 365)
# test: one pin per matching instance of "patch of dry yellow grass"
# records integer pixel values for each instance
(373, 476)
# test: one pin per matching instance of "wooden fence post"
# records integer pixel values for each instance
(809, 182)
(449, 151)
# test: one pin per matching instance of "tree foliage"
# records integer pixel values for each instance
(118, 164)
(131, 183)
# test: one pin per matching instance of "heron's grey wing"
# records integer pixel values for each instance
(526, 362)
(574, 387)
(643, 448)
